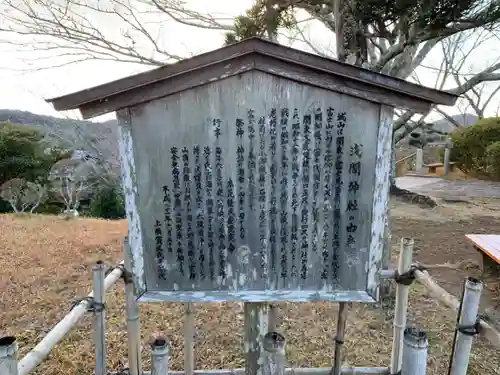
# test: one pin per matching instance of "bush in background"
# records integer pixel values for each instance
(24, 153)
(470, 145)
(108, 203)
(493, 159)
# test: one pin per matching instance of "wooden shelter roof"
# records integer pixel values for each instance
(247, 55)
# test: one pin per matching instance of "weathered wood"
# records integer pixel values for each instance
(241, 210)
(432, 168)
(487, 331)
(115, 95)
(380, 230)
(256, 320)
(489, 244)
(129, 178)
(274, 360)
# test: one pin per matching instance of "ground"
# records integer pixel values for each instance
(46, 265)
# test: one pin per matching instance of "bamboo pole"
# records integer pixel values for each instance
(469, 308)
(414, 352)
(159, 356)
(401, 309)
(42, 350)
(294, 371)
(8, 355)
(256, 321)
(487, 331)
(133, 318)
(188, 339)
(274, 359)
(272, 325)
(339, 338)
(99, 317)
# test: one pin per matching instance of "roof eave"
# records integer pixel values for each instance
(102, 93)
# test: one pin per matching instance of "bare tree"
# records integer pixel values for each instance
(69, 180)
(377, 35)
(461, 61)
(456, 67)
(22, 195)
(96, 144)
(72, 31)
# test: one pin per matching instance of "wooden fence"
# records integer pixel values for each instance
(414, 162)
(265, 348)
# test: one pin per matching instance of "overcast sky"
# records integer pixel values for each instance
(26, 90)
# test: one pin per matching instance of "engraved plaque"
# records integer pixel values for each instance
(245, 193)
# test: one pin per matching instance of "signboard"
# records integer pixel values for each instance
(241, 198)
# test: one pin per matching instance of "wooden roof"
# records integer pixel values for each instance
(252, 54)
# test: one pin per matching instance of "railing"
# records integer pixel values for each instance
(265, 348)
(406, 164)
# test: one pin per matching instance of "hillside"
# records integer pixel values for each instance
(447, 126)
(98, 138)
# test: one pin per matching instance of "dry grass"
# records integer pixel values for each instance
(46, 264)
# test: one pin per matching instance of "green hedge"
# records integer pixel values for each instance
(470, 146)
(493, 160)
(108, 203)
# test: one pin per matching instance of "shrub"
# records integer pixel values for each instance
(470, 144)
(108, 203)
(493, 160)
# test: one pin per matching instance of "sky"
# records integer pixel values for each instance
(26, 90)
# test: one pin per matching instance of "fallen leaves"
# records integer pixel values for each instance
(46, 264)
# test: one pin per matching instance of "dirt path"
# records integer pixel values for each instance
(439, 236)
(441, 188)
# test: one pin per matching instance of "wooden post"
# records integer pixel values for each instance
(188, 339)
(446, 160)
(98, 272)
(414, 352)
(256, 321)
(159, 356)
(274, 360)
(401, 309)
(419, 163)
(8, 356)
(133, 320)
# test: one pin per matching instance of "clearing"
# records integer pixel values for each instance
(46, 265)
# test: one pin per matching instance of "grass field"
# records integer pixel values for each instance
(46, 264)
